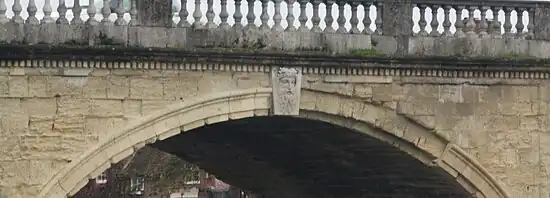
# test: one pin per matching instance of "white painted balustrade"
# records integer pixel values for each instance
(497, 19)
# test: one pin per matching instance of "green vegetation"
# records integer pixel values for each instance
(365, 52)
(105, 40)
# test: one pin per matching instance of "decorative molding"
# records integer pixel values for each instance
(315, 69)
(287, 83)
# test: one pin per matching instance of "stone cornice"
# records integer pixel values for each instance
(311, 63)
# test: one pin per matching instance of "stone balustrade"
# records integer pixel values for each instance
(48, 21)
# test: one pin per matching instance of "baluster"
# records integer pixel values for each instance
(133, 14)
(3, 9)
(264, 17)
(210, 15)
(223, 15)
(496, 31)
(378, 20)
(366, 20)
(106, 11)
(447, 21)
(18, 21)
(31, 9)
(277, 16)
(120, 14)
(197, 15)
(315, 19)
(183, 14)
(483, 23)
(471, 24)
(62, 10)
(303, 17)
(237, 16)
(172, 15)
(47, 9)
(16, 8)
(507, 22)
(519, 26)
(250, 16)
(530, 25)
(77, 12)
(422, 21)
(329, 20)
(289, 17)
(91, 14)
(341, 20)
(434, 24)
(459, 24)
(354, 21)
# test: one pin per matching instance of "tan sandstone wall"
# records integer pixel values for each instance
(49, 116)
(501, 123)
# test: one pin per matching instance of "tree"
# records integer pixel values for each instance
(163, 173)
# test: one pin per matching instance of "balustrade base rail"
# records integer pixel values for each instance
(254, 39)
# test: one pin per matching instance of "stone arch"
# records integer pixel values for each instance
(394, 129)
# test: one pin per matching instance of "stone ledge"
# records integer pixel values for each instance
(82, 62)
(20, 55)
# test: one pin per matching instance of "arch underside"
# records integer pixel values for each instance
(387, 144)
(294, 157)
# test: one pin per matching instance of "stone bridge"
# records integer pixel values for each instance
(374, 105)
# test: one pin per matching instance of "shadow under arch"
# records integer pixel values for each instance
(395, 129)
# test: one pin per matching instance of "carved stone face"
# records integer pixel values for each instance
(287, 83)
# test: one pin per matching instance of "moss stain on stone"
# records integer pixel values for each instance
(365, 52)
(514, 56)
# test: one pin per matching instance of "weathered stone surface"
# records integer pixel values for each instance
(57, 118)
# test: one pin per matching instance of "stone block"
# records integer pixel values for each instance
(119, 87)
(76, 72)
(180, 88)
(96, 87)
(158, 37)
(70, 106)
(14, 123)
(38, 86)
(385, 44)
(69, 124)
(40, 106)
(286, 41)
(344, 43)
(106, 108)
(102, 127)
(538, 48)
(18, 86)
(422, 46)
(146, 88)
(132, 108)
(61, 86)
(151, 106)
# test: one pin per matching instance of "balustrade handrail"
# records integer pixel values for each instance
(504, 3)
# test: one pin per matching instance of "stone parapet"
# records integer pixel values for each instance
(401, 27)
